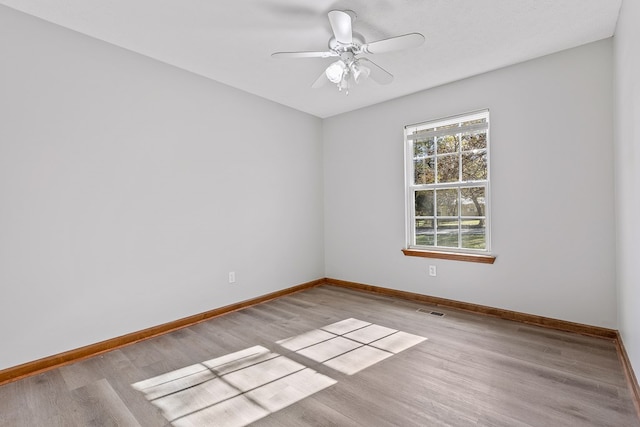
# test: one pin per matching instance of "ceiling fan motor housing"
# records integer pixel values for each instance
(354, 46)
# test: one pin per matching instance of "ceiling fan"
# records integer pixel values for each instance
(347, 45)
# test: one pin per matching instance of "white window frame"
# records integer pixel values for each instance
(411, 187)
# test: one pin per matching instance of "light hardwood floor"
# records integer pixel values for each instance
(472, 370)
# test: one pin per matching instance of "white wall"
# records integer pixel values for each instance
(129, 189)
(627, 142)
(552, 190)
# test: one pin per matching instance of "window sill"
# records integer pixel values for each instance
(455, 256)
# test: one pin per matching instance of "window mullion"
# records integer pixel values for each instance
(459, 219)
(435, 217)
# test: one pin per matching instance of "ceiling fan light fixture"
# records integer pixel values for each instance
(335, 72)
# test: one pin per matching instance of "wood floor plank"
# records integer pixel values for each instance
(472, 370)
(43, 401)
(100, 405)
(309, 412)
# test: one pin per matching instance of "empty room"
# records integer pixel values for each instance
(329, 213)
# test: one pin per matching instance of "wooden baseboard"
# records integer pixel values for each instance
(38, 366)
(547, 322)
(628, 371)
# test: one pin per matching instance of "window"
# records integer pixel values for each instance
(447, 176)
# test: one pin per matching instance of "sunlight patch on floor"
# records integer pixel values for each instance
(350, 345)
(240, 388)
(233, 390)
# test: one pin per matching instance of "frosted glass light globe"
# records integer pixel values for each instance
(335, 71)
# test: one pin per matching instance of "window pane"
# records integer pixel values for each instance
(424, 203)
(448, 169)
(447, 233)
(472, 201)
(474, 140)
(424, 171)
(473, 234)
(447, 202)
(451, 126)
(474, 166)
(447, 144)
(424, 232)
(423, 147)
(474, 122)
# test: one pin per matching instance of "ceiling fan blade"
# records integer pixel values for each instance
(320, 81)
(378, 74)
(326, 54)
(341, 25)
(394, 43)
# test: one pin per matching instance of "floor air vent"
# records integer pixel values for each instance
(433, 313)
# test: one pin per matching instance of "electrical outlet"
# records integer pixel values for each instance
(432, 270)
(232, 277)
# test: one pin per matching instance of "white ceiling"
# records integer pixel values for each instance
(231, 41)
